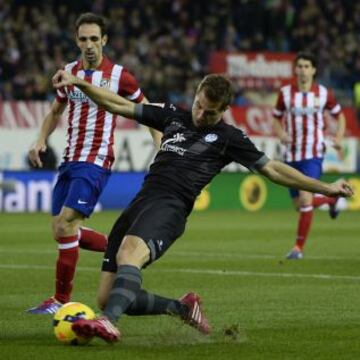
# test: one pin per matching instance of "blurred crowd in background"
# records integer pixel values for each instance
(166, 43)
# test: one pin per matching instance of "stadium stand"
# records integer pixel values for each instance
(167, 43)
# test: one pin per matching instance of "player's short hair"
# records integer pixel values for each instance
(217, 88)
(91, 18)
(303, 55)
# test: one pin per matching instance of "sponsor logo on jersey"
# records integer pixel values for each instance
(300, 111)
(77, 95)
(211, 138)
(168, 145)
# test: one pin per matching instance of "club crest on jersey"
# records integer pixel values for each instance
(176, 123)
(105, 83)
(211, 138)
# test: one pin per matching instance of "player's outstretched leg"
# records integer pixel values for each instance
(332, 202)
(187, 308)
(195, 316)
(92, 240)
(101, 327)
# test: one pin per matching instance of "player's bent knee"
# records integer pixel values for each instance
(67, 222)
(305, 204)
(133, 251)
(65, 226)
(136, 258)
(61, 227)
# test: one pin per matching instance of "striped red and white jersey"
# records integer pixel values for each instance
(90, 134)
(302, 115)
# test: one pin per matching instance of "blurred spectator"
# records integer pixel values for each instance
(166, 44)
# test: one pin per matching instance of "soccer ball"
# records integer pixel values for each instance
(65, 317)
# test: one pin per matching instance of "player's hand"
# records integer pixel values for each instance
(285, 139)
(34, 154)
(341, 188)
(63, 78)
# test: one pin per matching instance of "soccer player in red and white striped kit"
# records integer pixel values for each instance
(88, 156)
(299, 123)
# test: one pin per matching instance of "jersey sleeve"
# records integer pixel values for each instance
(129, 88)
(61, 95)
(278, 110)
(154, 116)
(332, 105)
(243, 151)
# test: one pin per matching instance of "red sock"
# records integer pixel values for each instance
(92, 240)
(65, 267)
(304, 224)
(321, 200)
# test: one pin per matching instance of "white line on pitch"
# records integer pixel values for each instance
(201, 254)
(43, 267)
(260, 274)
(203, 272)
(198, 254)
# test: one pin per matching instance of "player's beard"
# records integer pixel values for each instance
(91, 57)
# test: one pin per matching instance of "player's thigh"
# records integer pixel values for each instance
(159, 224)
(311, 168)
(82, 196)
(81, 187)
(115, 239)
(68, 215)
(105, 285)
(59, 194)
(133, 251)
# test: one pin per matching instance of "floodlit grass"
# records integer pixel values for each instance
(260, 306)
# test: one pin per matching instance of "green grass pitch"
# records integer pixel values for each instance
(260, 305)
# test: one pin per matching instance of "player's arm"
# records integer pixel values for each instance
(106, 99)
(48, 126)
(278, 113)
(340, 132)
(335, 111)
(156, 135)
(280, 132)
(285, 175)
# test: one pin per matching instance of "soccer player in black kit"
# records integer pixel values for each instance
(195, 147)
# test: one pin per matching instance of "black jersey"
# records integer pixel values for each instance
(190, 156)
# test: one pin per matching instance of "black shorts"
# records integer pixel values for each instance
(157, 219)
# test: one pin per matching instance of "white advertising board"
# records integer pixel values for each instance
(135, 151)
